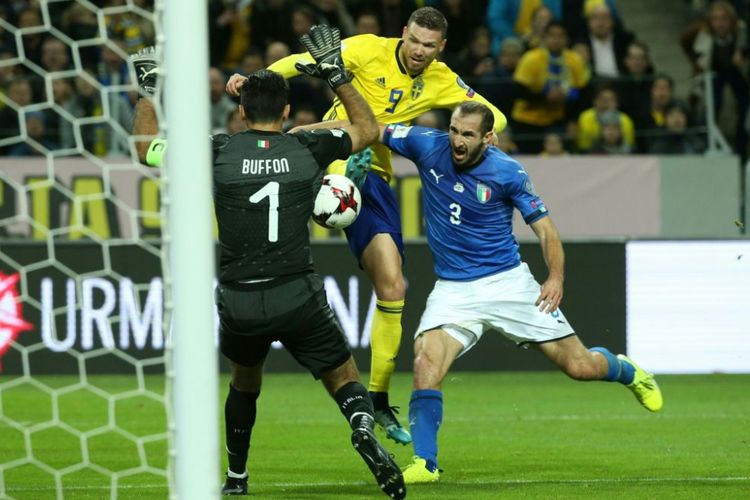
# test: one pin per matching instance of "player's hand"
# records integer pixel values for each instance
(324, 45)
(235, 84)
(551, 295)
(146, 70)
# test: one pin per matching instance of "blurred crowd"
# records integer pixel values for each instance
(568, 74)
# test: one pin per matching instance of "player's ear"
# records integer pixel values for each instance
(442, 45)
(404, 32)
(242, 112)
(285, 114)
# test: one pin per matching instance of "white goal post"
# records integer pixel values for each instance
(190, 250)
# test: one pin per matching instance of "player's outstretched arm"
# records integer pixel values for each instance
(324, 44)
(554, 256)
(145, 123)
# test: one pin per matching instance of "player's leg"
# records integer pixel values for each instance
(382, 262)
(375, 239)
(434, 353)
(320, 346)
(598, 363)
(246, 355)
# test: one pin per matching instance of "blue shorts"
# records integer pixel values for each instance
(379, 214)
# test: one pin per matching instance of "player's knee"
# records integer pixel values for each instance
(427, 370)
(390, 286)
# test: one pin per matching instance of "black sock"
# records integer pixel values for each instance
(379, 400)
(239, 418)
(353, 402)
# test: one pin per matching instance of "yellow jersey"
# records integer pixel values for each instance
(393, 95)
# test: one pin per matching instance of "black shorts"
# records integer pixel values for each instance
(294, 312)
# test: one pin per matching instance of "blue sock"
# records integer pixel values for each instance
(618, 371)
(425, 415)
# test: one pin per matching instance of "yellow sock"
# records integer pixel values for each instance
(385, 339)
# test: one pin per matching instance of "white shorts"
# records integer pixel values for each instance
(503, 302)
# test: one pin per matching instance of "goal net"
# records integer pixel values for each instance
(85, 391)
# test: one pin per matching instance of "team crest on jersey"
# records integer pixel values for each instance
(459, 188)
(483, 193)
(469, 90)
(380, 81)
(417, 87)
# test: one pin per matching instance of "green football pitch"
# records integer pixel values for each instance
(504, 435)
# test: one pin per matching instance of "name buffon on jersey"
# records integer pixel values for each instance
(268, 166)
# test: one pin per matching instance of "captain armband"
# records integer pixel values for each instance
(155, 153)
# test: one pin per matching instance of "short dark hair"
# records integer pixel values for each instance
(477, 108)
(430, 18)
(556, 24)
(264, 95)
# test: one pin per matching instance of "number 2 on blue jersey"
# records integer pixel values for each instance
(395, 97)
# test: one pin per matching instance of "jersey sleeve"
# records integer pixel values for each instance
(453, 91)
(409, 141)
(520, 190)
(326, 145)
(285, 65)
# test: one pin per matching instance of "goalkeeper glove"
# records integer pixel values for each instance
(146, 70)
(324, 45)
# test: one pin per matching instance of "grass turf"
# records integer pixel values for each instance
(509, 435)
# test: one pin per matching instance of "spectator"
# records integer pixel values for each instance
(303, 18)
(32, 42)
(392, 14)
(105, 135)
(34, 131)
(303, 115)
(463, 17)
(591, 121)
(574, 16)
(235, 123)
(608, 46)
(661, 96)
(533, 37)
(554, 146)
(549, 82)
(676, 138)
(19, 93)
(715, 44)
(221, 104)
(498, 86)
(474, 60)
(612, 140)
(514, 17)
(367, 23)
(276, 51)
(55, 55)
(270, 22)
(252, 61)
(634, 88)
(333, 13)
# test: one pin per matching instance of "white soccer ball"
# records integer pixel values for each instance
(338, 202)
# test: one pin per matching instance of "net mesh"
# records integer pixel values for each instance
(83, 392)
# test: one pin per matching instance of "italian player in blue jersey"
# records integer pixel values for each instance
(469, 191)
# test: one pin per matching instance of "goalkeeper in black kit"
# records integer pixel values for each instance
(268, 289)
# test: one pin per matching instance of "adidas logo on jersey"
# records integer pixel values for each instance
(380, 81)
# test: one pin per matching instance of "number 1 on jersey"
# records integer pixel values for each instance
(272, 191)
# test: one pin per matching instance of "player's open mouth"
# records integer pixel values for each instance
(459, 155)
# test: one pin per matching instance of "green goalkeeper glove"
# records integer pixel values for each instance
(324, 45)
(146, 70)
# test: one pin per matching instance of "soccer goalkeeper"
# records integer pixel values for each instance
(262, 215)
(400, 79)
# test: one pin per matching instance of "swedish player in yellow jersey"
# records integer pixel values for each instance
(400, 79)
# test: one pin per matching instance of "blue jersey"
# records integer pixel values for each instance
(468, 213)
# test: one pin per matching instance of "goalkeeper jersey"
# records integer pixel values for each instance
(265, 185)
(393, 95)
